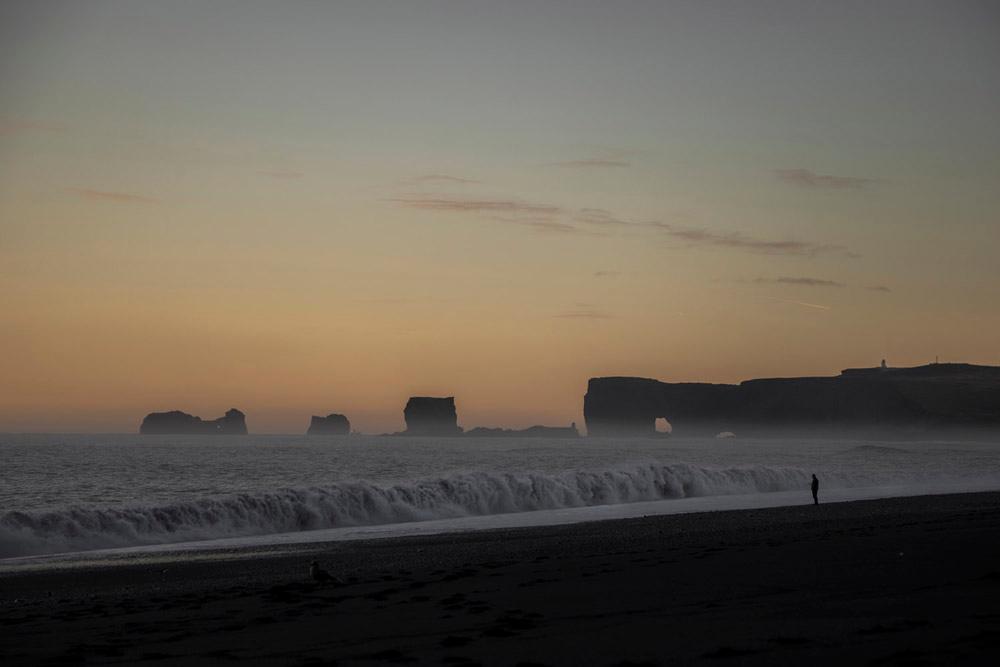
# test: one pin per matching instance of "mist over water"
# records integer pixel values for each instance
(78, 492)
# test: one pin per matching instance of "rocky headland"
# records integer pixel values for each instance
(919, 398)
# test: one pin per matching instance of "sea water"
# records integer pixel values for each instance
(61, 493)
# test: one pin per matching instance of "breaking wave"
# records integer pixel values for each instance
(355, 503)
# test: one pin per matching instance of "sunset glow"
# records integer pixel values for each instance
(476, 200)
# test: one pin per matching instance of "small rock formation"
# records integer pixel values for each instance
(176, 422)
(530, 432)
(426, 415)
(332, 424)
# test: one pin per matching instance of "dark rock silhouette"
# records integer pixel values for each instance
(177, 422)
(332, 424)
(426, 415)
(936, 395)
(530, 432)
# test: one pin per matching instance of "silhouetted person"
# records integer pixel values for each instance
(815, 488)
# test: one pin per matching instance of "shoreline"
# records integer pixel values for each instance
(232, 547)
(849, 581)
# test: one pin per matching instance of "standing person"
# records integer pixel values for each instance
(815, 488)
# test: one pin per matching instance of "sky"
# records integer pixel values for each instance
(300, 208)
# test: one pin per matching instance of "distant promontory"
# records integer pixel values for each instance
(176, 422)
(919, 398)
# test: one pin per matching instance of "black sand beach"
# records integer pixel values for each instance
(896, 581)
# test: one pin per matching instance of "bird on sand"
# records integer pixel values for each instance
(319, 574)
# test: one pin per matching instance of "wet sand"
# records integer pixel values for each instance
(896, 581)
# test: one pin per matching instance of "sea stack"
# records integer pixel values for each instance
(332, 424)
(426, 415)
(176, 422)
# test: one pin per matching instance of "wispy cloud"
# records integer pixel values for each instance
(583, 312)
(441, 178)
(537, 217)
(539, 224)
(281, 173)
(548, 217)
(120, 197)
(598, 216)
(804, 304)
(446, 203)
(803, 281)
(878, 288)
(386, 300)
(591, 163)
(607, 274)
(810, 179)
(704, 237)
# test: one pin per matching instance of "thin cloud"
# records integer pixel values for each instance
(809, 179)
(878, 288)
(540, 224)
(805, 282)
(607, 274)
(120, 197)
(281, 173)
(541, 218)
(590, 163)
(386, 300)
(552, 226)
(703, 237)
(585, 313)
(804, 304)
(544, 224)
(460, 205)
(551, 218)
(599, 216)
(696, 236)
(442, 178)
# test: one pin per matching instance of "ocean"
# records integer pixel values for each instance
(71, 493)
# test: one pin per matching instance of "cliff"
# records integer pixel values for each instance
(332, 424)
(177, 422)
(427, 415)
(923, 397)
